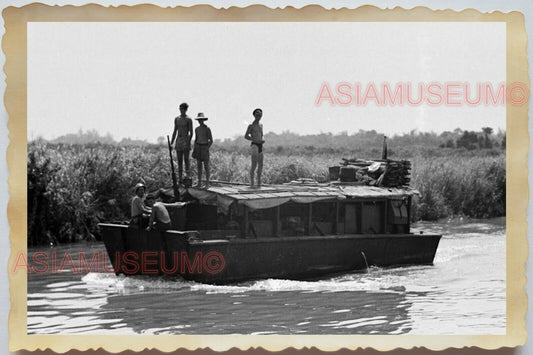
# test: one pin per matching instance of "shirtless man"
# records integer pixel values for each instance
(183, 128)
(160, 218)
(202, 142)
(254, 133)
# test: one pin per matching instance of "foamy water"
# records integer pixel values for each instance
(462, 293)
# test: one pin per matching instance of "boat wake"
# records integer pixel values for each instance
(371, 281)
(346, 283)
(121, 282)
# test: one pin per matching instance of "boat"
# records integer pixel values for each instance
(301, 230)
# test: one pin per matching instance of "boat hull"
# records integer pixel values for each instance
(225, 260)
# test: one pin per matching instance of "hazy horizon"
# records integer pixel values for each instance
(237, 136)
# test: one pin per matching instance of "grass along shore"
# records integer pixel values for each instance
(72, 188)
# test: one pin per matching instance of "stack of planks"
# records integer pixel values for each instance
(389, 173)
(398, 173)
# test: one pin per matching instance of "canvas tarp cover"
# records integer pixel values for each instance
(259, 201)
(273, 202)
(224, 197)
(364, 191)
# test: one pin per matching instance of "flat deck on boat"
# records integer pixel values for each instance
(295, 190)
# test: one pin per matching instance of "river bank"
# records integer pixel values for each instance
(72, 188)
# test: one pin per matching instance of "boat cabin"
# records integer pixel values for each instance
(230, 210)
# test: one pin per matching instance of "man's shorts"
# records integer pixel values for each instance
(183, 144)
(259, 147)
(201, 152)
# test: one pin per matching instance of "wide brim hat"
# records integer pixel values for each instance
(201, 117)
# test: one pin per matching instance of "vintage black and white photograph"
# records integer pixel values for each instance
(267, 178)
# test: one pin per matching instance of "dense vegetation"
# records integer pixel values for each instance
(72, 187)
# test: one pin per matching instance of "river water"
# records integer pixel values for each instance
(462, 293)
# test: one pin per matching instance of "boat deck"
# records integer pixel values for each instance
(312, 191)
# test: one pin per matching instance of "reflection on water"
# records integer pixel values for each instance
(262, 313)
(462, 293)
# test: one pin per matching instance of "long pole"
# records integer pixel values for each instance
(174, 180)
(384, 151)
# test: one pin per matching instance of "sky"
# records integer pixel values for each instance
(128, 79)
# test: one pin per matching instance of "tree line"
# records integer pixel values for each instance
(359, 143)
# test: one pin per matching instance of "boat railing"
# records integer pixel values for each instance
(218, 234)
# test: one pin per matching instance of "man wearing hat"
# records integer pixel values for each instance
(183, 128)
(140, 213)
(254, 133)
(202, 143)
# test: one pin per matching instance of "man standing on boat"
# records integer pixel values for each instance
(254, 133)
(202, 143)
(183, 128)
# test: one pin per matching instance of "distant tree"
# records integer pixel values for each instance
(458, 131)
(487, 131)
(450, 143)
(108, 139)
(161, 140)
(487, 140)
(91, 136)
(133, 142)
(468, 140)
(446, 135)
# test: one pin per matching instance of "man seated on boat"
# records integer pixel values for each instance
(160, 218)
(140, 212)
(233, 225)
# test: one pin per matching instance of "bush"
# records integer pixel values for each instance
(471, 186)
